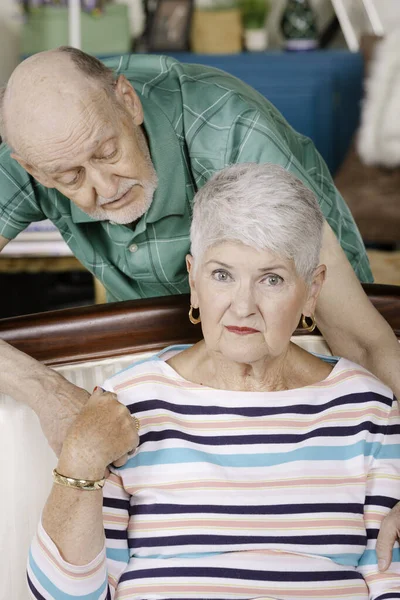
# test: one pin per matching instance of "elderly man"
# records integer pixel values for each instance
(113, 156)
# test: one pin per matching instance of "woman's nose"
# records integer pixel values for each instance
(243, 302)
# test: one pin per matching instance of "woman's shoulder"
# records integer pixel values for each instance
(147, 369)
(353, 378)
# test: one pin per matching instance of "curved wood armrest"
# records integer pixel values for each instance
(106, 330)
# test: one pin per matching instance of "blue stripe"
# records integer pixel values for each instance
(350, 559)
(390, 451)
(55, 592)
(180, 555)
(175, 348)
(154, 357)
(118, 554)
(134, 364)
(347, 560)
(190, 455)
(369, 557)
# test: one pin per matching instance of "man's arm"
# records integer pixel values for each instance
(351, 325)
(55, 400)
(353, 328)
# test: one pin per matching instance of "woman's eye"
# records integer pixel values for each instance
(273, 280)
(221, 275)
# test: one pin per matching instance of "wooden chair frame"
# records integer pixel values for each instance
(109, 330)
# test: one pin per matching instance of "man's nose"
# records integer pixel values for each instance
(243, 301)
(105, 183)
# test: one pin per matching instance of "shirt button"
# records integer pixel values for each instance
(133, 248)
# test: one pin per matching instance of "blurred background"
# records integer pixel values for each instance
(312, 58)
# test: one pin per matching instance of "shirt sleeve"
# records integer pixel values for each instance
(18, 202)
(265, 137)
(50, 577)
(383, 492)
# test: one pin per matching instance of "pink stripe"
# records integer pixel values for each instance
(256, 423)
(236, 485)
(327, 592)
(178, 382)
(156, 378)
(71, 574)
(248, 524)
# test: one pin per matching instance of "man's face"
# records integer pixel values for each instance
(99, 159)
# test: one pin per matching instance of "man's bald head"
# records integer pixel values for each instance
(45, 88)
(75, 129)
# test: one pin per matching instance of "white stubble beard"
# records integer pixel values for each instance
(134, 210)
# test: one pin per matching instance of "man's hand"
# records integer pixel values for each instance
(388, 534)
(104, 432)
(55, 400)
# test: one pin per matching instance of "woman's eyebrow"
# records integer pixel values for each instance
(272, 267)
(217, 262)
(262, 269)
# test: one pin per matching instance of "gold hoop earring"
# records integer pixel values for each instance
(192, 319)
(306, 326)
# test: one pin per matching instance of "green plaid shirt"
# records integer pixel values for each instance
(198, 120)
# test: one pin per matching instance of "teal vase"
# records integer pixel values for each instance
(299, 26)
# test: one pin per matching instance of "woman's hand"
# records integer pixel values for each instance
(388, 534)
(103, 433)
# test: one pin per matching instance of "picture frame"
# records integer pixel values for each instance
(357, 17)
(169, 29)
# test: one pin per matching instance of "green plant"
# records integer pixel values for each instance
(254, 13)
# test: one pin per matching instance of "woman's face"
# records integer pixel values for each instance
(250, 301)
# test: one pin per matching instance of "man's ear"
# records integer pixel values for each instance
(32, 171)
(129, 98)
(194, 301)
(314, 290)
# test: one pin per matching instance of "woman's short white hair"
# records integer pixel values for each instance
(263, 206)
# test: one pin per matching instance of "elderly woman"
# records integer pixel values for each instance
(262, 471)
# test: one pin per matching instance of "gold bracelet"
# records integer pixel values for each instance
(78, 484)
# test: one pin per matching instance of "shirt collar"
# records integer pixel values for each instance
(170, 195)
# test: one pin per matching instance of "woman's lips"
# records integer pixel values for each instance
(241, 330)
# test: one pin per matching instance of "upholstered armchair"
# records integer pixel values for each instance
(87, 345)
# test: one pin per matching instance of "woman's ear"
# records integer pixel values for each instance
(314, 290)
(129, 98)
(194, 301)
